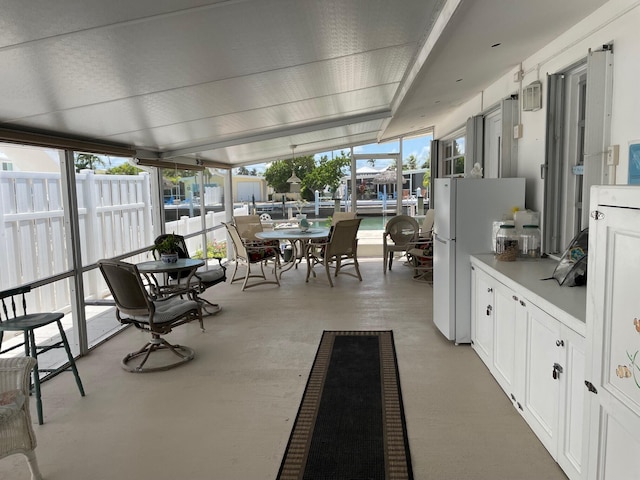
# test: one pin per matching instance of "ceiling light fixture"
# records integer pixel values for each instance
(293, 178)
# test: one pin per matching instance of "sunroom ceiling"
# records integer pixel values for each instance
(240, 81)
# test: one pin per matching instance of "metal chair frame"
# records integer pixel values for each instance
(200, 281)
(341, 246)
(251, 252)
(135, 306)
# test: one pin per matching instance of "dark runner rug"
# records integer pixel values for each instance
(350, 424)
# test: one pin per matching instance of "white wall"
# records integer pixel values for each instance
(618, 21)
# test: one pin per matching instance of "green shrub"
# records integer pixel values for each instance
(214, 250)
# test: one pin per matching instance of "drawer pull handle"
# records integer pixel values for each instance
(557, 370)
(590, 387)
(560, 343)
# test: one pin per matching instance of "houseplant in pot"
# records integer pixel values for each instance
(167, 248)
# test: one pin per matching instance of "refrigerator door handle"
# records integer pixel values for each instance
(439, 239)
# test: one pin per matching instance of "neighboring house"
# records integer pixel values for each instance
(21, 158)
(249, 187)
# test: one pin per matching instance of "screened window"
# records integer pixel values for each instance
(578, 133)
(453, 157)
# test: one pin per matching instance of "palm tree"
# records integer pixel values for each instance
(88, 161)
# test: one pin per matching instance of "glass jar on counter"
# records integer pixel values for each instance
(507, 243)
(530, 241)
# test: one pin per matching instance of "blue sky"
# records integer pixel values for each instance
(418, 146)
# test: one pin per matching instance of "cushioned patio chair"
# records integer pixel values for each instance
(399, 232)
(16, 430)
(134, 306)
(420, 258)
(420, 252)
(426, 227)
(340, 247)
(338, 216)
(248, 226)
(251, 252)
(201, 280)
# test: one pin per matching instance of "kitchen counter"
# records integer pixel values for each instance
(567, 304)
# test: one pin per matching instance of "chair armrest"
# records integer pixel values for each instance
(15, 373)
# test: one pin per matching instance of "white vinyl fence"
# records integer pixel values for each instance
(114, 218)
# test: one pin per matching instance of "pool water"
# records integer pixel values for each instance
(373, 223)
(368, 223)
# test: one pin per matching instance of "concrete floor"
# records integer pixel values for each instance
(228, 414)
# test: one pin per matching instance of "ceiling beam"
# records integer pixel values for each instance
(444, 17)
(311, 127)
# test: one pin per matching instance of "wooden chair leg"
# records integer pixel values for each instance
(31, 342)
(72, 362)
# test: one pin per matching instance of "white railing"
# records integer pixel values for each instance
(114, 217)
(114, 213)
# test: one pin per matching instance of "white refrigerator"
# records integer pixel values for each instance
(465, 209)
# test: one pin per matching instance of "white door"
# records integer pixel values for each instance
(492, 142)
(248, 191)
(614, 309)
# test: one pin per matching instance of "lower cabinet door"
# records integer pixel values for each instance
(482, 315)
(542, 377)
(572, 401)
(504, 339)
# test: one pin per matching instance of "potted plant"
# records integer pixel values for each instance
(167, 248)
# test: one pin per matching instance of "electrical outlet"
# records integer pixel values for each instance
(613, 153)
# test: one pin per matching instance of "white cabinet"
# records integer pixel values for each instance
(537, 360)
(494, 333)
(482, 315)
(542, 371)
(613, 316)
(553, 402)
(505, 339)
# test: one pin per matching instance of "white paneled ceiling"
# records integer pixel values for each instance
(239, 81)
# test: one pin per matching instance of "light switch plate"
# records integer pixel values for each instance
(517, 131)
(613, 153)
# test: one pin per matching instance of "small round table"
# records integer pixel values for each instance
(183, 265)
(295, 236)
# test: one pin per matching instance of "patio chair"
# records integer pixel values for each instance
(341, 246)
(426, 228)
(338, 216)
(134, 306)
(399, 232)
(200, 281)
(252, 252)
(420, 258)
(16, 319)
(16, 430)
(420, 252)
(248, 225)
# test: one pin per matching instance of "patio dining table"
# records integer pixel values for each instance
(297, 238)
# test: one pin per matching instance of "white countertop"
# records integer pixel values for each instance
(567, 304)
